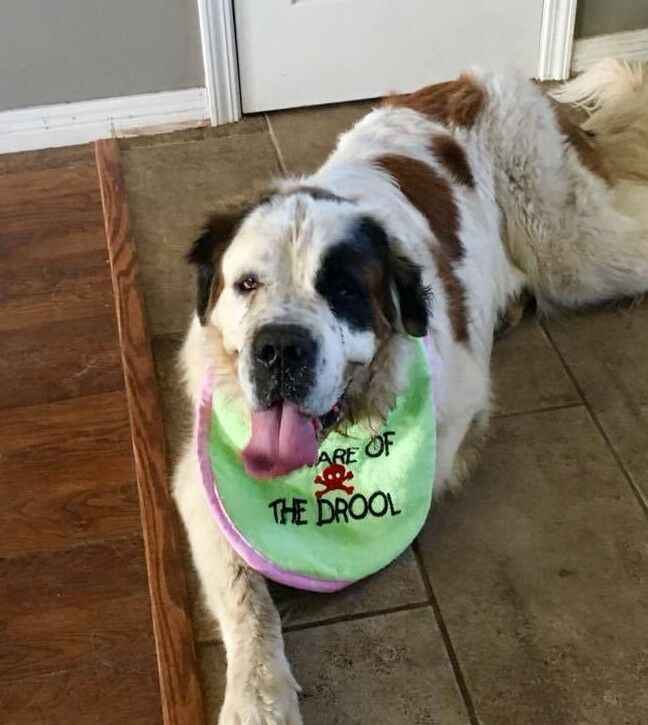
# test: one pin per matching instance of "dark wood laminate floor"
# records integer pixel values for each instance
(76, 642)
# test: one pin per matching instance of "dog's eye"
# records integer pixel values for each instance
(247, 284)
(345, 288)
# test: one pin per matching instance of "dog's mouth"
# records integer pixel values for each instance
(328, 420)
(283, 439)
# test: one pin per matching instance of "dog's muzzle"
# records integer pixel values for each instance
(283, 363)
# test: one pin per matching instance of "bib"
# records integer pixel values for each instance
(323, 527)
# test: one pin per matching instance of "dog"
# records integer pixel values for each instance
(435, 215)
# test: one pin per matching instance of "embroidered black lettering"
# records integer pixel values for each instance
(375, 447)
(388, 437)
(341, 506)
(392, 508)
(385, 504)
(274, 505)
(323, 458)
(356, 512)
(323, 504)
(339, 455)
(299, 506)
(281, 510)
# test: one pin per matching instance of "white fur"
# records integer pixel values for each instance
(537, 219)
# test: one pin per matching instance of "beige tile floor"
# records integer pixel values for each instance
(525, 599)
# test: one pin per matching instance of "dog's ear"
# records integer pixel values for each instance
(413, 297)
(206, 252)
(400, 282)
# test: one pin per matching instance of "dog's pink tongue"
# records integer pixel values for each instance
(282, 440)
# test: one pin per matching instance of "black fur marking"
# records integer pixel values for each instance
(350, 269)
(204, 278)
(413, 297)
(201, 255)
(357, 277)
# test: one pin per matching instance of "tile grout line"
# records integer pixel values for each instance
(275, 145)
(535, 411)
(639, 495)
(358, 616)
(445, 636)
(340, 619)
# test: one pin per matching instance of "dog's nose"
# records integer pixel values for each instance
(286, 345)
(284, 359)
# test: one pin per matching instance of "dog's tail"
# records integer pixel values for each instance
(614, 95)
(605, 254)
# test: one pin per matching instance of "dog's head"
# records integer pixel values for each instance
(305, 289)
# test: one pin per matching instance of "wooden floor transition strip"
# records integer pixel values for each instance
(177, 663)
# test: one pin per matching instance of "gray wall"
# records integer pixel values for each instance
(598, 17)
(53, 51)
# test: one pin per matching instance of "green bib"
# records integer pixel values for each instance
(324, 527)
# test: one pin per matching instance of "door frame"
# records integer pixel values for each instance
(556, 39)
(218, 38)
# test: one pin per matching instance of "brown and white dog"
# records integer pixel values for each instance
(435, 213)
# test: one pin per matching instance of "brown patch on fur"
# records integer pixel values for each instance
(455, 102)
(381, 301)
(222, 227)
(583, 143)
(455, 295)
(207, 251)
(378, 282)
(450, 154)
(412, 297)
(431, 194)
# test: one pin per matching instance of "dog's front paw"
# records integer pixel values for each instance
(266, 696)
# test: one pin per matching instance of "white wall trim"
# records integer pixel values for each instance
(556, 39)
(218, 36)
(631, 45)
(64, 124)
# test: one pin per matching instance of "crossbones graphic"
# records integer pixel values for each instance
(333, 477)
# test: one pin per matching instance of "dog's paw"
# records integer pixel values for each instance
(268, 696)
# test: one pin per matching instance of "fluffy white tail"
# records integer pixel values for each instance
(614, 95)
(599, 251)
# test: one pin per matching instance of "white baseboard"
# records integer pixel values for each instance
(631, 45)
(65, 124)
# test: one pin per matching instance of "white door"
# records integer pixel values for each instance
(305, 52)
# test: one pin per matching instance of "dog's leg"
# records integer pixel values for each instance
(449, 438)
(458, 446)
(512, 315)
(260, 687)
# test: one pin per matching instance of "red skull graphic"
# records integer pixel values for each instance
(333, 478)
